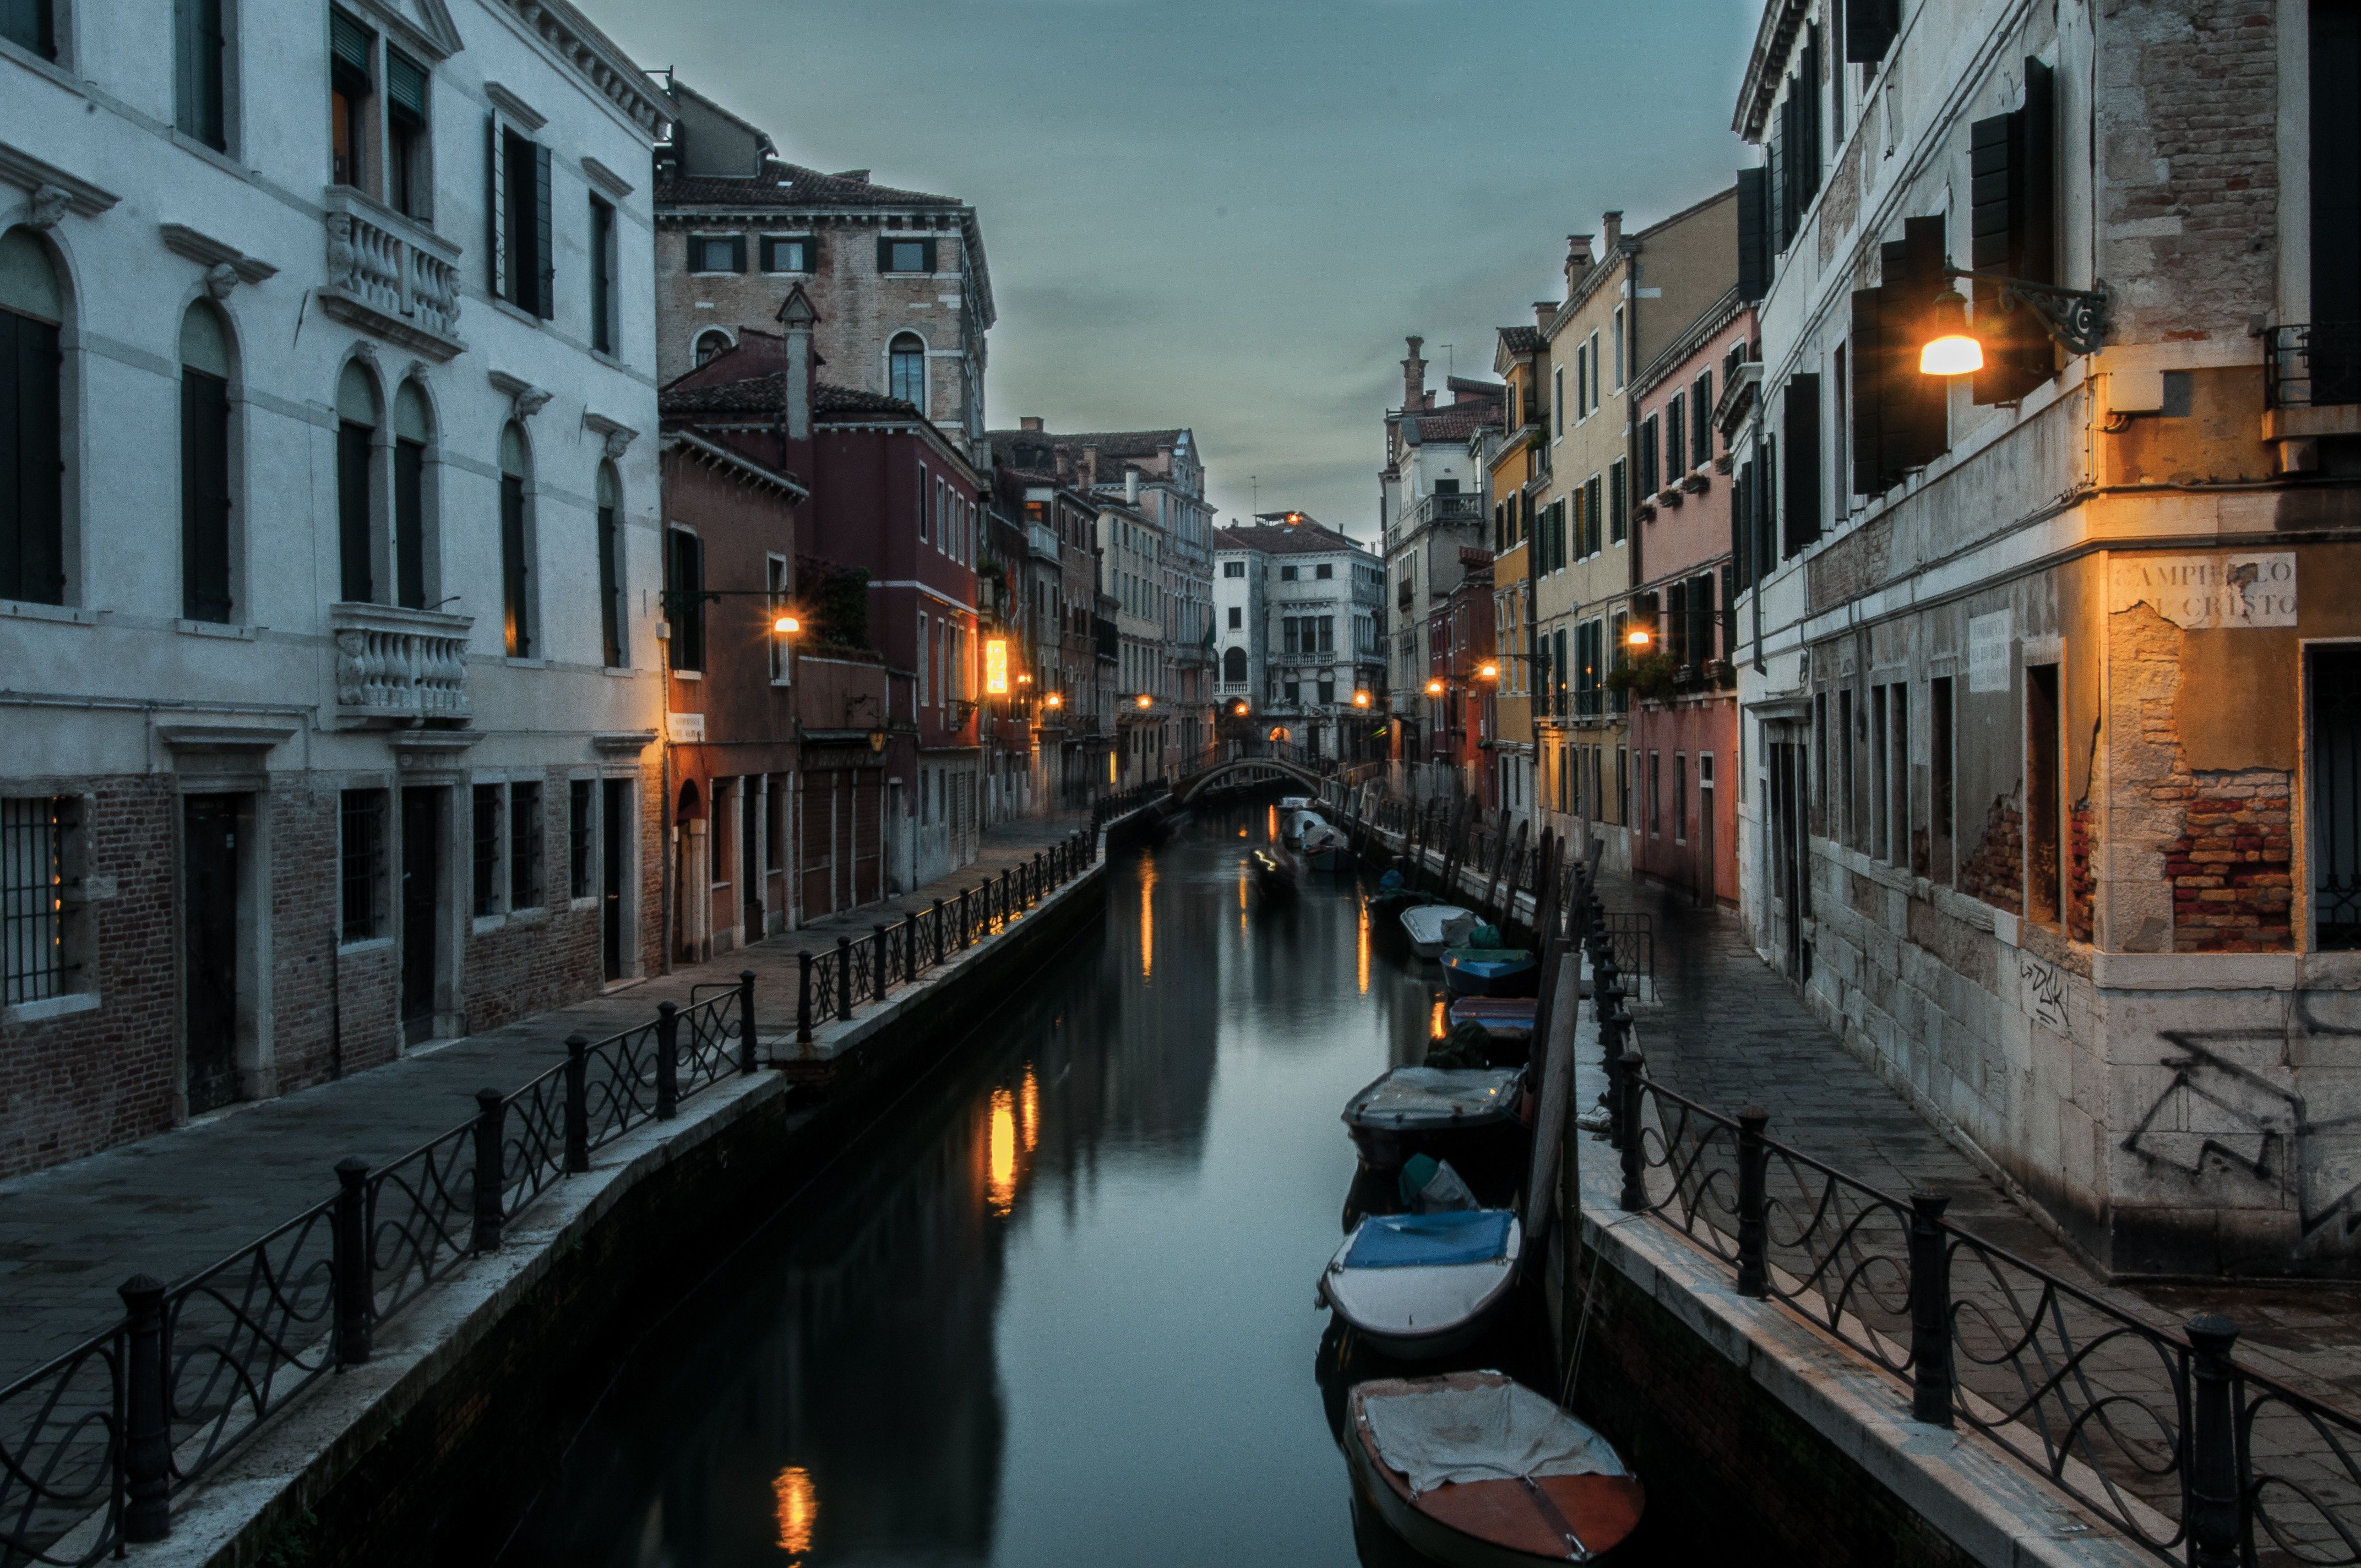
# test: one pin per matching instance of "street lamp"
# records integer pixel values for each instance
(2075, 318)
(1638, 637)
(1487, 671)
(786, 626)
(1435, 689)
(1360, 699)
(1238, 708)
(1144, 700)
(1953, 349)
(1054, 699)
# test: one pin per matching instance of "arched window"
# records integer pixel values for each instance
(710, 342)
(516, 603)
(204, 465)
(610, 564)
(909, 363)
(32, 445)
(414, 427)
(1234, 666)
(358, 414)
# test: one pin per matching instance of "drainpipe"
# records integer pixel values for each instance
(665, 838)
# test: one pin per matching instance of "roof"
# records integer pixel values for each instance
(1452, 422)
(1277, 539)
(768, 395)
(1607, 264)
(1521, 339)
(1110, 442)
(784, 184)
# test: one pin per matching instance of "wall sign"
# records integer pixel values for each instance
(2199, 592)
(684, 726)
(1988, 645)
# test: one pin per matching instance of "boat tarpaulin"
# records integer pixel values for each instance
(1427, 1092)
(1431, 1240)
(1437, 1434)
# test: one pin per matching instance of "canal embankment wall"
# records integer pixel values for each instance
(1736, 1410)
(438, 1442)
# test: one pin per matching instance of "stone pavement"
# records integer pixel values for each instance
(174, 1203)
(1729, 1032)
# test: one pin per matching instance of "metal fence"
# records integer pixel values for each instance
(831, 984)
(2165, 1437)
(94, 1444)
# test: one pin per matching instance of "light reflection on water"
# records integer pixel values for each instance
(1060, 1312)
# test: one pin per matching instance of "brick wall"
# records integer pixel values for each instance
(2229, 868)
(1995, 871)
(78, 1083)
(537, 959)
(2081, 888)
(303, 894)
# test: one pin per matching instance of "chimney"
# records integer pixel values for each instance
(799, 317)
(1414, 374)
(1063, 453)
(1577, 260)
(1130, 484)
(1426, 399)
(1089, 467)
(1030, 422)
(1613, 223)
(1543, 310)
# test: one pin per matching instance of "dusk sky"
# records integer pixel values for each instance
(1226, 216)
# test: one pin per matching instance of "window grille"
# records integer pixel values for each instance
(362, 838)
(524, 846)
(32, 898)
(580, 805)
(488, 848)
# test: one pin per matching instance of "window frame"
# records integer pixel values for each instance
(362, 806)
(699, 255)
(527, 880)
(808, 248)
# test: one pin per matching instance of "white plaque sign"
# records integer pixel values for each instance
(1988, 646)
(2198, 592)
(686, 726)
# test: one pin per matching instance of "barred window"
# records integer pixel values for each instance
(34, 949)
(579, 807)
(488, 848)
(361, 835)
(524, 846)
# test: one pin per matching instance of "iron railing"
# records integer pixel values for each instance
(2312, 363)
(2166, 1437)
(833, 983)
(94, 1444)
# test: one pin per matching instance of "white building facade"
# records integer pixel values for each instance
(1319, 644)
(329, 537)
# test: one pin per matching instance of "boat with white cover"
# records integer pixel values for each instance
(1420, 1286)
(1435, 927)
(1462, 1114)
(1474, 1469)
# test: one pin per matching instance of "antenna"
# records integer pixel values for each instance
(1448, 358)
(1255, 480)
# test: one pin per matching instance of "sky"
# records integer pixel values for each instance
(1227, 215)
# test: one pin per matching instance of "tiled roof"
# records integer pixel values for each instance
(1521, 339)
(830, 400)
(1455, 422)
(768, 394)
(1275, 539)
(1110, 442)
(790, 185)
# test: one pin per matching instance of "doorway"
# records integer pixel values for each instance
(422, 902)
(209, 854)
(614, 847)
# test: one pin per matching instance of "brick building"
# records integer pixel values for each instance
(2047, 667)
(327, 619)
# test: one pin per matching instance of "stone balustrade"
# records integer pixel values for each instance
(391, 277)
(400, 664)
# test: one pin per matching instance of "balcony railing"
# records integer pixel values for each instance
(1042, 541)
(400, 664)
(390, 277)
(1447, 511)
(2312, 364)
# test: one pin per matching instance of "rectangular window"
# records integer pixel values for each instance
(362, 845)
(1291, 628)
(1881, 829)
(486, 849)
(1287, 574)
(524, 846)
(410, 523)
(38, 837)
(204, 495)
(684, 599)
(2044, 785)
(1843, 821)
(515, 596)
(1234, 568)
(1676, 438)
(1701, 419)
(524, 269)
(354, 543)
(197, 70)
(1656, 794)
(717, 253)
(1619, 348)
(28, 25)
(2332, 684)
(1649, 484)
(612, 604)
(1680, 797)
(409, 155)
(1558, 399)
(352, 89)
(581, 825)
(923, 493)
(1616, 502)
(602, 276)
(1939, 781)
(1897, 774)
(1237, 618)
(32, 533)
(896, 254)
(1327, 634)
(1324, 571)
(782, 253)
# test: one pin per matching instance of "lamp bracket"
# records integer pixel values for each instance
(2076, 318)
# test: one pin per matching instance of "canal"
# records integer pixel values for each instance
(1058, 1309)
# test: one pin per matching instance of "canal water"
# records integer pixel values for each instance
(1059, 1308)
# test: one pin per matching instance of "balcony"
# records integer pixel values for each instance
(408, 665)
(1404, 592)
(390, 277)
(1042, 541)
(1446, 511)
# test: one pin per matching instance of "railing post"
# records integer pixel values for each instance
(1930, 1310)
(489, 1114)
(1635, 1196)
(963, 919)
(910, 945)
(1754, 1167)
(746, 1021)
(349, 1271)
(938, 930)
(803, 997)
(147, 1432)
(2215, 1529)
(879, 932)
(577, 1104)
(668, 1061)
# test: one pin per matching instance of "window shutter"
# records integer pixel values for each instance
(884, 254)
(204, 496)
(1800, 422)
(2013, 231)
(348, 42)
(496, 207)
(545, 249)
(1741, 527)
(1615, 508)
(930, 255)
(1766, 510)
(405, 83)
(1730, 613)
(1914, 419)
(1870, 27)
(1778, 206)
(737, 253)
(32, 487)
(1811, 116)
(1867, 362)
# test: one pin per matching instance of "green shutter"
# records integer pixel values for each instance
(204, 496)
(32, 540)
(349, 41)
(405, 83)
(930, 255)
(885, 253)
(544, 251)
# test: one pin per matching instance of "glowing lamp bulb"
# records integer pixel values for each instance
(1143, 699)
(1953, 350)
(1637, 637)
(786, 626)
(1490, 672)
(1054, 699)
(1360, 699)
(1239, 708)
(1435, 689)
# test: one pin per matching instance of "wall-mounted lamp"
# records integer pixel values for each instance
(1360, 699)
(1435, 689)
(1487, 672)
(786, 626)
(1953, 349)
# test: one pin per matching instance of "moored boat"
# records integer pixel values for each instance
(1467, 1116)
(1488, 971)
(1274, 871)
(1474, 1469)
(1420, 1286)
(1435, 927)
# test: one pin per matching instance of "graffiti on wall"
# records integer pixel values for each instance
(2045, 994)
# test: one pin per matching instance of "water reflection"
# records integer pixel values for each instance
(1060, 1310)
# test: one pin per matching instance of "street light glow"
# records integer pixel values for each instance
(1953, 350)
(1143, 699)
(1435, 689)
(1055, 700)
(1638, 637)
(1239, 708)
(786, 626)
(1490, 672)
(1360, 699)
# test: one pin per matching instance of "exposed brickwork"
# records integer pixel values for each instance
(1993, 871)
(2230, 866)
(2082, 889)
(302, 891)
(537, 959)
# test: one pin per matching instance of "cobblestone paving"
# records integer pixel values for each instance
(170, 1204)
